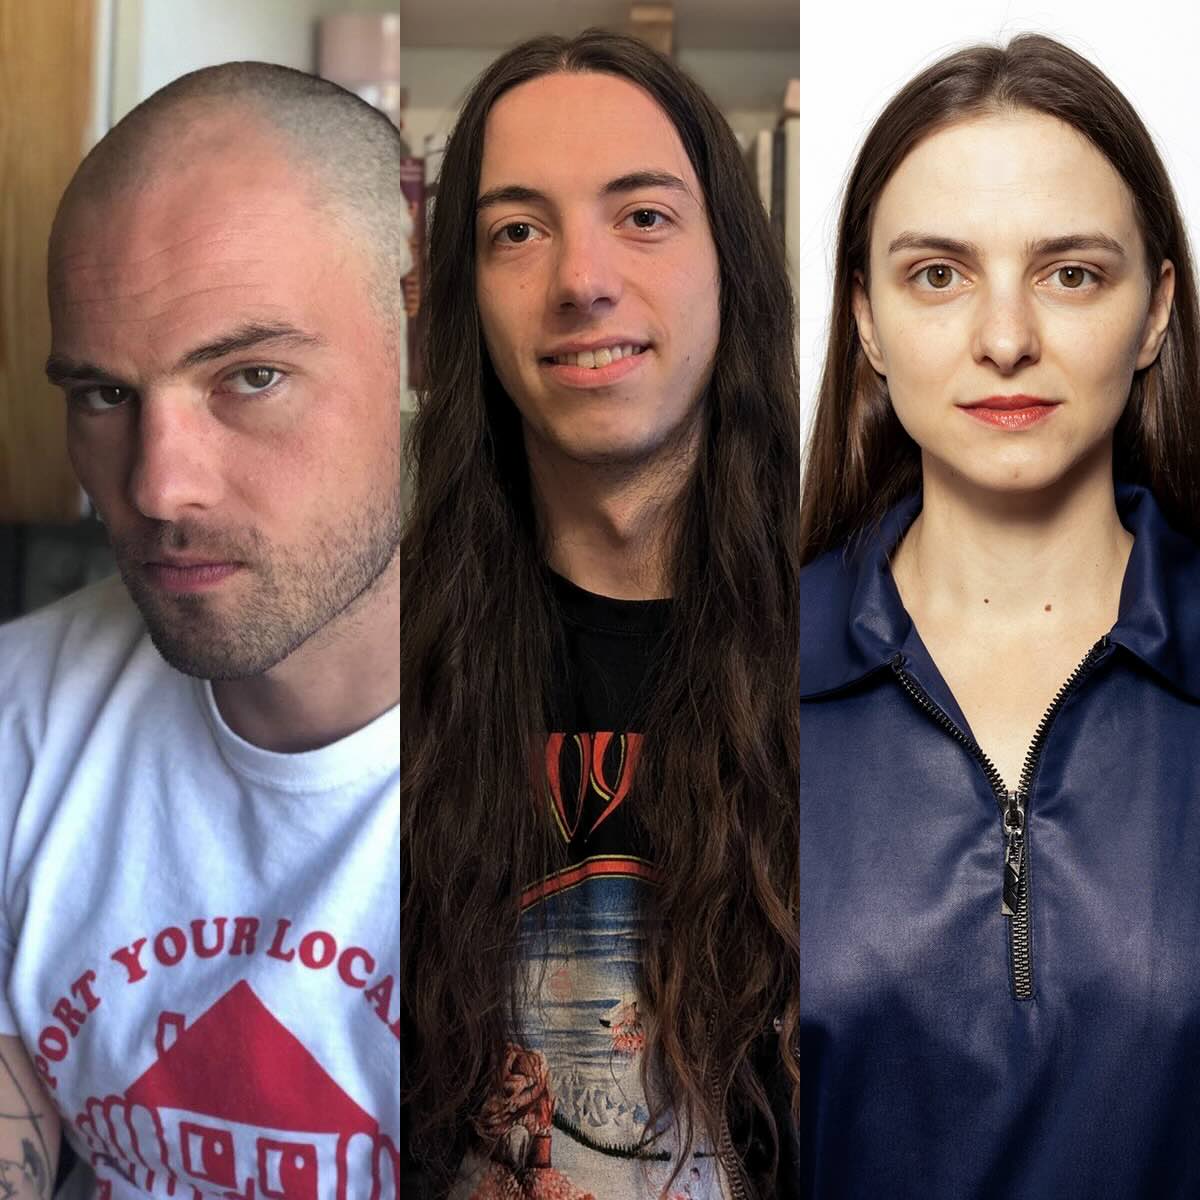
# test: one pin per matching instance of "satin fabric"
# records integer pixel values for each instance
(923, 1076)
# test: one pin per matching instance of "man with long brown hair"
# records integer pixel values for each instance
(599, 965)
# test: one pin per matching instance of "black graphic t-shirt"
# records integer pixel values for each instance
(570, 1122)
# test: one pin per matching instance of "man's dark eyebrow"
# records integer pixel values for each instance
(1066, 244)
(246, 337)
(517, 193)
(60, 370)
(635, 181)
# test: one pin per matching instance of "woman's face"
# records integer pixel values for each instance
(1009, 301)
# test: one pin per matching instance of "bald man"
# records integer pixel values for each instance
(200, 760)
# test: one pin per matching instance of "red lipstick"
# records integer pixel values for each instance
(1010, 412)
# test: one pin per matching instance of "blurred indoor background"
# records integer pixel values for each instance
(70, 68)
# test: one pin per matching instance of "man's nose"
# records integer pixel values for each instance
(175, 467)
(586, 270)
(1006, 328)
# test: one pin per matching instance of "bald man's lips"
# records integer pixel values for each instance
(179, 576)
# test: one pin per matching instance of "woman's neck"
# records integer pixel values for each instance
(1008, 562)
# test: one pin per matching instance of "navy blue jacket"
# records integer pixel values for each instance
(950, 1051)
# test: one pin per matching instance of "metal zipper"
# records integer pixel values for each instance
(1014, 902)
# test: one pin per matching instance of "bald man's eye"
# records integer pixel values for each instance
(253, 381)
(100, 399)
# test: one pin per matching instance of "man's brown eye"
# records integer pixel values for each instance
(110, 397)
(100, 398)
(1071, 277)
(939, 277)
(250, 381)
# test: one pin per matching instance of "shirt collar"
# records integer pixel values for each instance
(852, 621)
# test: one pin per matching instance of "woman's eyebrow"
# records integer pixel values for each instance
(1078, 241)
(1063, 244)
(931, 241)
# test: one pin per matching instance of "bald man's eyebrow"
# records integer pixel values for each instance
(1070, 243)
(634, 181)
(61, 370)
(248, 337)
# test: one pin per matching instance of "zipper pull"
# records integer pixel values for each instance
(1014, 841)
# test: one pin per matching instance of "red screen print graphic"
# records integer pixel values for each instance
(515, 1131)
(603, 761)
(580, 767)
(235, 1107)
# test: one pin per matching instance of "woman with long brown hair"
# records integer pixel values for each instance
(599, 964)
(1000, 657)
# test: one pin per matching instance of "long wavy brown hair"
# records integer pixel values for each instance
(860, 460)
(717, 786)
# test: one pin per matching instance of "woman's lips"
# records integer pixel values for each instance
(1006, 415)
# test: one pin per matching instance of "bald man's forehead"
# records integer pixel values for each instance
(139, 265)
(282, 182)
(168, 140)
(135, 277)
(209, 195)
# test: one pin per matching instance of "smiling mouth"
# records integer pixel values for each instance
(594, 359)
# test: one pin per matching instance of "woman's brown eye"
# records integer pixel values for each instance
(1071, 277)
(939, 277)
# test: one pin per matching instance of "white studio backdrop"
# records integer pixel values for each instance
(855, 57)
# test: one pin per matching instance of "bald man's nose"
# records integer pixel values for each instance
(176, 467)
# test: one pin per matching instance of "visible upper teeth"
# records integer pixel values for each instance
(597, 358)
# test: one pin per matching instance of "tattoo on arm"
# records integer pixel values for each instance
(31, 1176)
(26, 1180)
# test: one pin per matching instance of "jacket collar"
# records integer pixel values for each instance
(852, 621)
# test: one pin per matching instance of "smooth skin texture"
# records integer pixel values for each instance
(585, 259)
(1014, 567)
(197, 435)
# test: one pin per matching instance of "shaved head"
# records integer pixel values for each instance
(225, 308)
(345, 155)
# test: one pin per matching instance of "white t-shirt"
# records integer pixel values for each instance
(200, 938)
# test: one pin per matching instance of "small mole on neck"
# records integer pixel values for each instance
(985, 600)
(1047, 608)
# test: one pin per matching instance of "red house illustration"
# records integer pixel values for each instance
(236, 1106)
